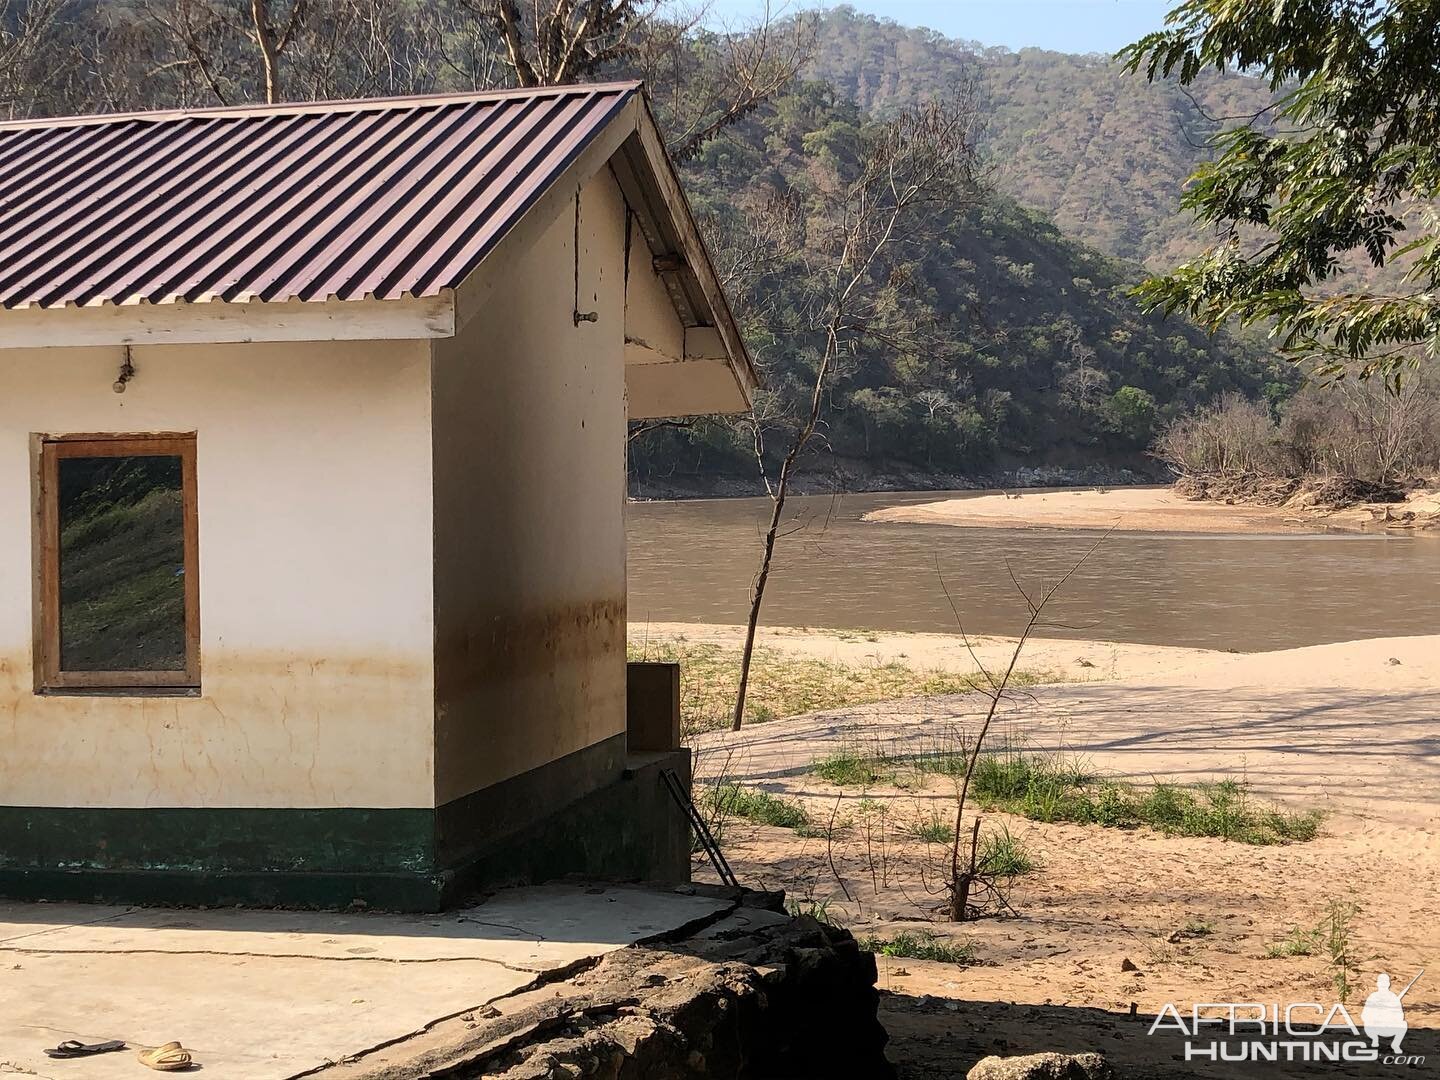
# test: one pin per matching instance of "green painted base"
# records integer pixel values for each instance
(268, 889)
(255, 857)
(625, 827)
(343, 840)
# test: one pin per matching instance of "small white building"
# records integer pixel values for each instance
(312, 480)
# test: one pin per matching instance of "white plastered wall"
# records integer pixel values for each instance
(530, 489)
(315, 515)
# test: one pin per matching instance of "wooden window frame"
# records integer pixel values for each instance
(54, 449)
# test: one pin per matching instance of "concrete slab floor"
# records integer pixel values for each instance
(269, 995)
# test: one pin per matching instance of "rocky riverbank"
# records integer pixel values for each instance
(1341, 500)
(1195, 505)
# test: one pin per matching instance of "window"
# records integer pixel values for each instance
(119, 598)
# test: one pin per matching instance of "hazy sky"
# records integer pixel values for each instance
(1064, 25)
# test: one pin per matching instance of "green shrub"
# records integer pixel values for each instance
(1296, 943)
(921, 945)
(933, 831)
(1052, 788)
(1113, 807)
(849, 768)
(1004, 855)
(733, 800)
(819, 910)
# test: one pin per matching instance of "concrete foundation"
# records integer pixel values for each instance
(631, 830)
(265, 995)
(599, 981)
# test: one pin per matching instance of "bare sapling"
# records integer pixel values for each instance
(965, 870)
(830, 853)
(922, 160)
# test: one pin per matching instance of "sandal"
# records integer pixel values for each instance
(72, 1048)
(172, 1057)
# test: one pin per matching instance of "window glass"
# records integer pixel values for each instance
(122, 563)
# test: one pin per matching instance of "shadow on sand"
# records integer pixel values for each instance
(941, 1039)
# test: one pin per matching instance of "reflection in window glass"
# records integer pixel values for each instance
(122, 564)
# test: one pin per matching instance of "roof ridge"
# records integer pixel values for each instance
(326, 107)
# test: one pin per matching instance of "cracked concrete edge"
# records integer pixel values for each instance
(5, 943)
(541, 980)
(505, 1034)
(720, 893)
(9, 1068)
(349, 1059)
(538, 938)
(275, 956)
(469, 1050)
(734, 898)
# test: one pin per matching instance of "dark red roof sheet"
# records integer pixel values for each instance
(310, 202)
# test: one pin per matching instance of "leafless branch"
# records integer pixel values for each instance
(961, 879)
(922, 158)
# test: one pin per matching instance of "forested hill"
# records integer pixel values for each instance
(1030, 349)
(1043, 357)
(1102, 153)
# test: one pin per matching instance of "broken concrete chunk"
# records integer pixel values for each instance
(1042, 1067)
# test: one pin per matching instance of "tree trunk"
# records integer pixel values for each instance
(265, 38)
(758, 594)
(960, 885)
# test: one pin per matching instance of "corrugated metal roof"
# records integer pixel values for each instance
(311, 202)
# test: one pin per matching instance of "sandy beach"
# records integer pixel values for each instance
(1144, 509)
(1349, 729)
(1326, 726)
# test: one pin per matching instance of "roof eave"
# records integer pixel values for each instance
(695, 269)
(632, 146)
(221, 322)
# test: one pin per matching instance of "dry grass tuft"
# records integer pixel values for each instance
(782, 686)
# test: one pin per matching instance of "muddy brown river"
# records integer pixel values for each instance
(693, 562)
